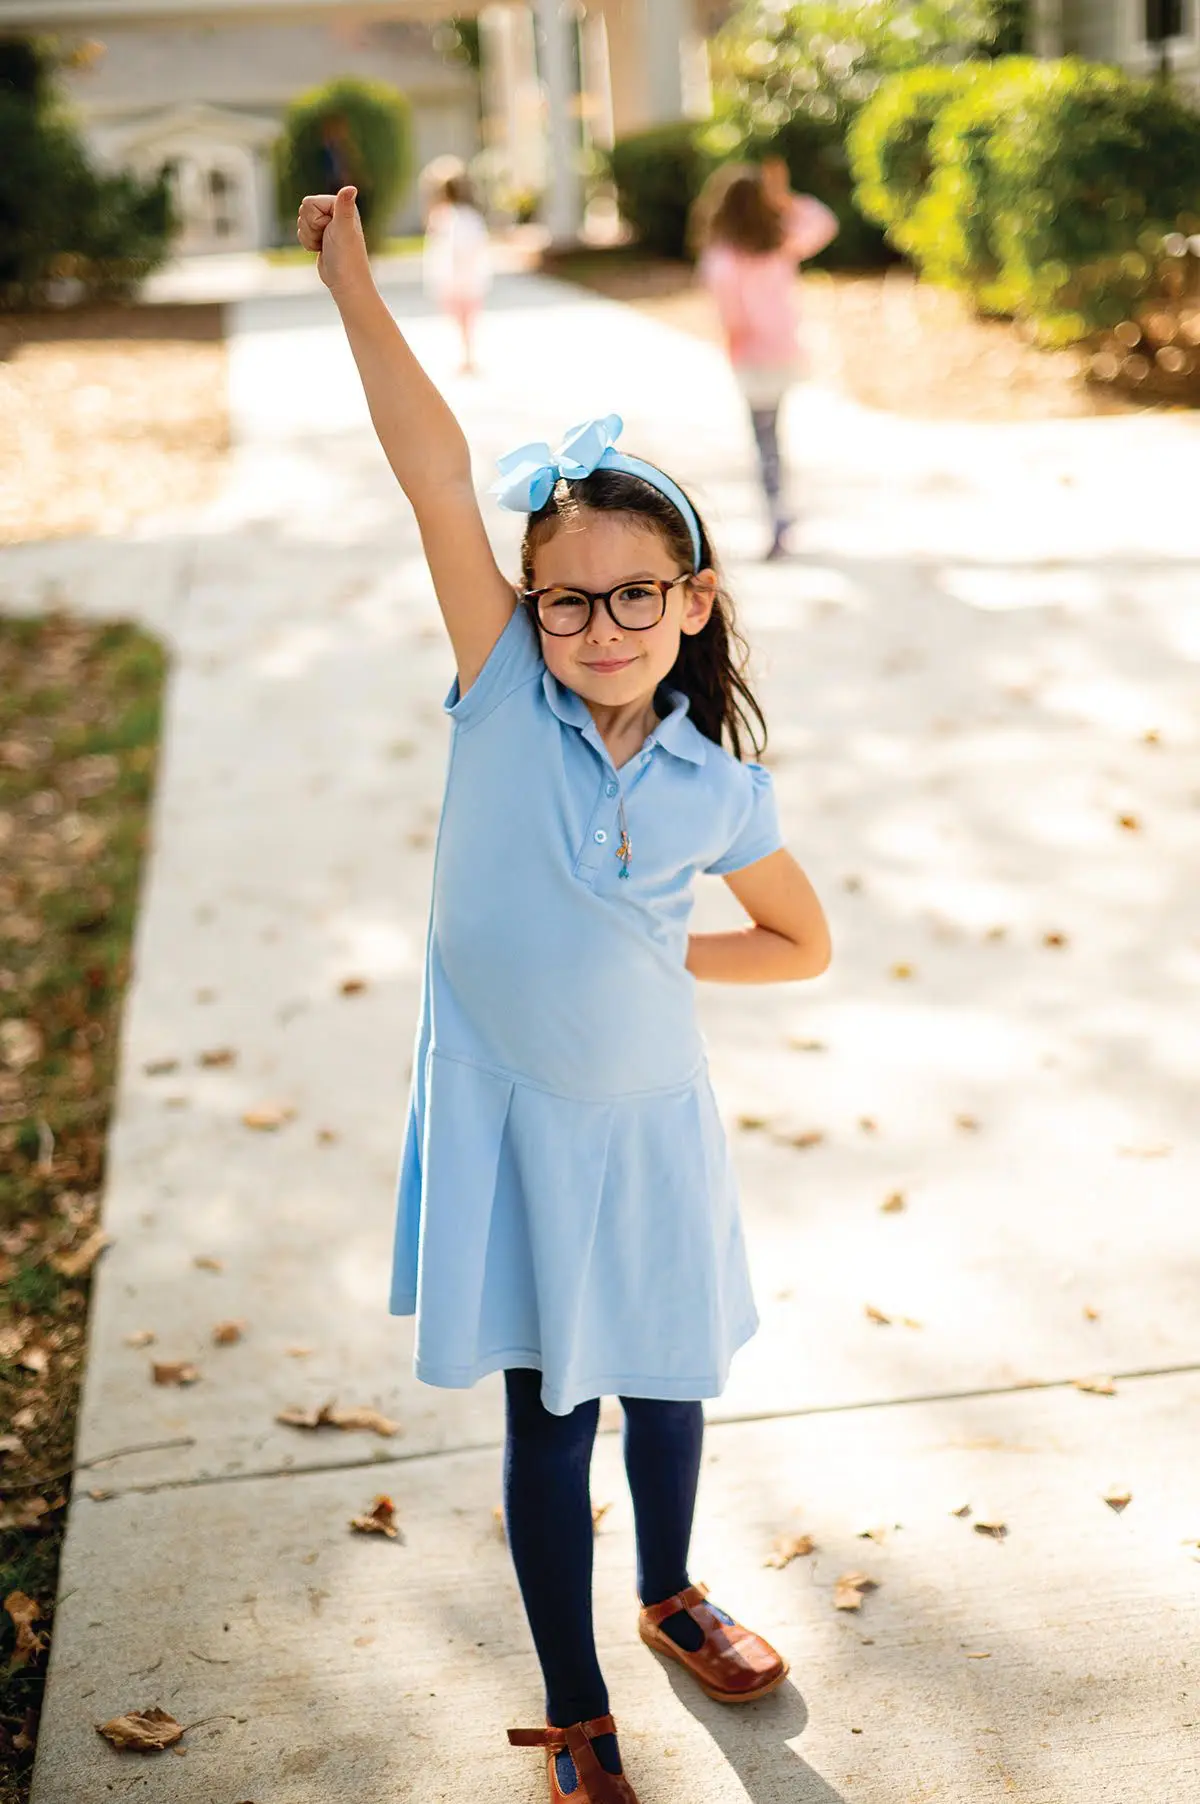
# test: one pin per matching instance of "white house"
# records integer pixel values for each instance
(201, 86)
(1126, 32)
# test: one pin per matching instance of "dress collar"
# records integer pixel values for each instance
(676, 733)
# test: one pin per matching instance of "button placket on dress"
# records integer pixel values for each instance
(603, 832)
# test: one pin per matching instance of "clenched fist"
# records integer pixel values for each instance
(329, 225)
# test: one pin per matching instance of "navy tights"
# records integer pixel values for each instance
(548, 1511)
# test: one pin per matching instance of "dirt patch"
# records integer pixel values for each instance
(107, 415)
(883, 338)
(79, 721)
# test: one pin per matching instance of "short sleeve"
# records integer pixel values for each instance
(515, 658)
(758, 832)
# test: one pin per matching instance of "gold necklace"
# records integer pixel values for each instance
(625, 849)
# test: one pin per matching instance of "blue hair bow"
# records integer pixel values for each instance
(528, 475)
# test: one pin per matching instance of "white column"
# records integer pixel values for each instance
(666, 24)
(563, 210)
(512, 99)
(1046, 28)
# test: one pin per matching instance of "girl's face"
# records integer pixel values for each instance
(605, 663)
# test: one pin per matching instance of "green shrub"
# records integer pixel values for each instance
(658, 175)
(58, 216)
(888, 142)
(348, 131)
(1054, 185)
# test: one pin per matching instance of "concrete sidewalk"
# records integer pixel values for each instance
(960, 671)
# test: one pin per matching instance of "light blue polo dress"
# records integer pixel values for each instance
(566, 1197)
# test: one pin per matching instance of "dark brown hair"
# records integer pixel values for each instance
(456, 191)
(711, 663)
(738, 213)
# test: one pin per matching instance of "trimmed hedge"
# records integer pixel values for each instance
(1053, 188)
(888, 143)
(659, 175)
(347, 131)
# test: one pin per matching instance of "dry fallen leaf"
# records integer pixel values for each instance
(352, 986)
(808, 1045)
(26, 1514)
(750, 1124)
(498, 1519)
(328, 1415)
(98, 1494)
(892, 1205)
(1090, 1314)
(967, 1123)
(297, 1352)
(34, 1359)
(325, 1136)
(979, 1656)
(1151, 736)
(175, 1371)
(786, 1548)
(903, 972)
(145, 1731)
(226, 1334)
(997, 1530)
(24, 1612)
(269, 1116)
(868, 1124)
(809, 1137)
(1129, 822)
(996, 933)
(141, 1337)
(599, 1512)
(1054, 939)
(964, 1509)
(74, 1264)
(217, 1056)
(1117, 1500)
(11, 1443)
(852, 885)
(876, 1315)
(1100, 1387)
(380, 1520)
(848, 1591)
(160, 1067)
(205, 1262)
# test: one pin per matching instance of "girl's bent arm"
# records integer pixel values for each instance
(421, 438)
(789, 938)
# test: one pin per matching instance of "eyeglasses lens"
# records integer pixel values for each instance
(635, 606)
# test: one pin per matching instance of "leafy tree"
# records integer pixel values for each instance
(347, 131)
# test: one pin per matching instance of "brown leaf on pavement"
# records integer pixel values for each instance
(328, 1415)
(160, 1067)
(226, 1334)
(809, 1137)
(964, 1509)
(380, 1519)
(74, 1264)
(269, 1116)
(175, 1371)
(892, 1205)
(205, 1262)
(24, 1612)
(967, 1123)
(876, 1315)
(1090, 1314)
(997, 1530)
(868, 1124)
(145, 1731)
(902, 972)
(1100, 1387)
(848, 1591)
(1117, 1500)
(352, 986)
(751, 1124)
(1129, 822)
(217, 1056)
(1054, 939)
(798, 1045)
(786, 1548)
(599, 1512)
(141, 1337)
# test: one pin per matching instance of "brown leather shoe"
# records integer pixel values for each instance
(596, 1786)
(733, 1665)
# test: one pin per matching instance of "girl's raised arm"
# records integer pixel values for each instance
(421, 438)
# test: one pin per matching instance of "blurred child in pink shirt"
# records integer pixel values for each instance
(755, 232)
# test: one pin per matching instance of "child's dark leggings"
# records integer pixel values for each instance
(766, 436)
(548, 1510)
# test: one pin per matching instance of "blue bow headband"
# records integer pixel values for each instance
(528, 474)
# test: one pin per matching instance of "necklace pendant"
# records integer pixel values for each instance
(625, 854)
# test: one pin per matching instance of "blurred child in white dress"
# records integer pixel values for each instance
(458, 260)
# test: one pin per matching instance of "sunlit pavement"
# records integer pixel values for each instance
(980, 674)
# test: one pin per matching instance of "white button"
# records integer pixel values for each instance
(600, 836)
(610, 789)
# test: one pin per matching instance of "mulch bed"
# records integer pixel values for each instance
(108, 414)
(79, 723)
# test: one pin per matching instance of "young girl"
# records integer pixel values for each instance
(755, 232)
(458, 260)
(567, 1210)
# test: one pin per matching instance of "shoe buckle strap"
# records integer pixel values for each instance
(671, 1606)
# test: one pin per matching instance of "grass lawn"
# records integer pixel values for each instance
(79, 724)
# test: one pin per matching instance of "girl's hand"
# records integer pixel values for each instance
(329, 225)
